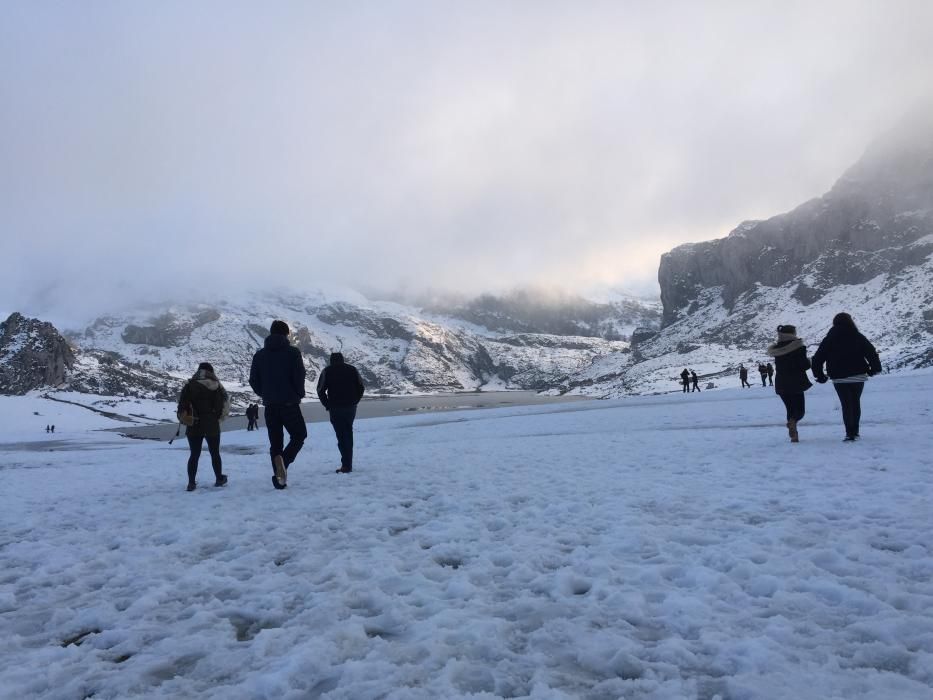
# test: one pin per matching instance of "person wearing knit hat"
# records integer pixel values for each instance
(790, 381)
(277, 374)
(202, 407)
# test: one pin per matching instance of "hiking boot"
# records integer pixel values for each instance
(191, 486)
(279, 464)
(850, 438)
(276, 484)
(344, 470)
(792, 431)
(221, 480)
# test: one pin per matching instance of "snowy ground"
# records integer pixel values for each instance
(662, 547)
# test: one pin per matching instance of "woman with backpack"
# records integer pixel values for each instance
(790, 383)
(850, 360)
(202, 407)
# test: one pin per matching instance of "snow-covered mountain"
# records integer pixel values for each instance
(865, 247)
(398, 348)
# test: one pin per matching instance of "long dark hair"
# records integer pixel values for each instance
(844, 320)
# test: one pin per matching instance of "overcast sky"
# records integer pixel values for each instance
(147, 148)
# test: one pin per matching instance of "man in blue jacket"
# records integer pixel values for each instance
(278, 376)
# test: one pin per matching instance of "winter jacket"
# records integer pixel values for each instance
(791, 364)
(278, 372)
(846, 353)
(205, 397)
(340, 384)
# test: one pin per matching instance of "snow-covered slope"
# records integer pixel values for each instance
(398, 348)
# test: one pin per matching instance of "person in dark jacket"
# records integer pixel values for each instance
(252, 415)
(791, 362)
(695, 380)
(763, 371)
(743, 376)
(278, 376)
(850, 360)
(202, 406)
(685, 379)
(770, 369)
(340, 389)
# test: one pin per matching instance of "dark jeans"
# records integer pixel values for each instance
(341, 417)
(287, 416)
(795, 405)
(213, 446)
(850, 396)
(764, 379)
(686, 386)
(696, 387)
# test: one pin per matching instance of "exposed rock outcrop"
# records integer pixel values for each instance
(33, 355)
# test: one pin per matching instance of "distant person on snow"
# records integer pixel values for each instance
(202, 407)
(743, 376)
(685, 379)
(53, 427)
(790, 356)
(47, 428)
(696, 381)
(850, 360)
(763, 371)
(252, 416)
(340, 389)
(770, 369)
(278, 376)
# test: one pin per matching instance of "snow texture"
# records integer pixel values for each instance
(654, 547)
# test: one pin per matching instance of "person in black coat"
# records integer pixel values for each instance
(685, 379)
(850, 360)
(278, 376)
(340, 389)
(770, 369)
(743, 376)
(202, 407)
(695, 380)
(791, 364)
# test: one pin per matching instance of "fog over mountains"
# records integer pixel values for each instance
(865, 247)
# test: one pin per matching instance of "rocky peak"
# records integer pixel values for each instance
(876, 219)
(33, 354)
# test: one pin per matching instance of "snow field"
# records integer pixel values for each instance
(657, 547)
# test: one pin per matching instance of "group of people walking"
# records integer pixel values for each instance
(277, 374)
(690, 380)
(849, 358)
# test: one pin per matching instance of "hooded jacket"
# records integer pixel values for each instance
(790, 364)
(277, 373)
(204, 396)
(846, 353)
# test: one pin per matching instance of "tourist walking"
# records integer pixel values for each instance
(277, 374)
(696, 381)
(790, 359)
(252, 416)
(850, 360)
(770, 369)
(685, 380)
(202, 406)
(340, 389)
(763, 371)
(743, 376)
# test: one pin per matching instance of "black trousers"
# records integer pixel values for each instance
(850, 396)
(213, 446)
(342, 417)
(289, 418)
(696, 387)
(686, 386)
(795, 404)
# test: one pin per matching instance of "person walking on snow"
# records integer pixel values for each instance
(790, 357)
(763, 371)
(850, 360)
(340, 389)
(252, 415)
(685, 379)
(770, 369)
(202, 406)
(696, 381)
(277, 374)
(743, 376)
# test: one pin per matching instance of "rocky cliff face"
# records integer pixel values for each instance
(876, 220)
(32, 355)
